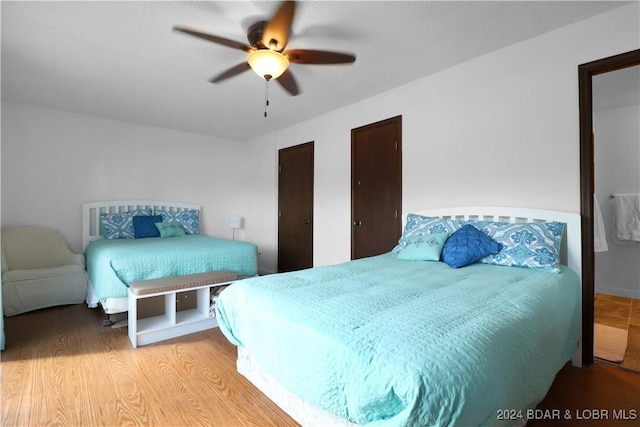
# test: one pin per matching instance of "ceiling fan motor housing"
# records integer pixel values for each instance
(254, 34)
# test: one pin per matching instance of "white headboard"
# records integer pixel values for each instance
(571, 250)
(91, 213)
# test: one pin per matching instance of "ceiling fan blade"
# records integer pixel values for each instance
(306, 56)
(276, 32)
(233, 71)
(216, 39)
(289, 84)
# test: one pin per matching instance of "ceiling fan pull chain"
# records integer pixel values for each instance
(266, 96)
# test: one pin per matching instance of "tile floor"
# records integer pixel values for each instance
(624, 313)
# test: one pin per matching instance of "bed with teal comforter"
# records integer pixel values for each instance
(385, 342)
(112, 264)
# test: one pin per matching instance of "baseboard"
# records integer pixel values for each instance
(626, 293)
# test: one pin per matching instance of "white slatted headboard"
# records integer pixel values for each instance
(91, 213)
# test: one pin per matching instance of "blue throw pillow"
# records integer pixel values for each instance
(468, 245)
(145, 226)
(170, 229)
(425, 247)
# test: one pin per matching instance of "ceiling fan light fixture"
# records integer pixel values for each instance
(268, 63)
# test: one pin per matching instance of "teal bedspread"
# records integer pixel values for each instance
(112, 264)
(385, 342)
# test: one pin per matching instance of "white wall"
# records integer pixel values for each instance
(498, 130)
(260, 192)
(53, 161)
(501, 129)
(617, 170)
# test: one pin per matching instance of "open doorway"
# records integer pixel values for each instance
(590, 199)
(616, 146)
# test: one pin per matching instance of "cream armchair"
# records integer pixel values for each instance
(39, 270)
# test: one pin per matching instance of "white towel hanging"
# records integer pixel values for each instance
(627, 217)
(599, 234)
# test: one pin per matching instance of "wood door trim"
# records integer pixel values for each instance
(587, 184)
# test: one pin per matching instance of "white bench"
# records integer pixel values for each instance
(173, 322)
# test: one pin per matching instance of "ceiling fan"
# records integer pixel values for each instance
(266, 49)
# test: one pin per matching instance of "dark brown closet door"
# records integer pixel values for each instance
(376, 187)
(295, 207)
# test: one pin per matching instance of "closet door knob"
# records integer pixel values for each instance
(306, 221)
(357, 223)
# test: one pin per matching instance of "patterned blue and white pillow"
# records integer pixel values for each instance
(419, 225)
(528, 245)
(120, 225)
(189, 218)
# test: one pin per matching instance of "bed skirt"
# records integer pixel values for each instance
(303, 412)
(109, 305)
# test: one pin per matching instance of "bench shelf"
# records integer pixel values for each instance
(173, 322)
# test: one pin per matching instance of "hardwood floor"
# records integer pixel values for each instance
(62, 367)
(597, 395)
(623, 313)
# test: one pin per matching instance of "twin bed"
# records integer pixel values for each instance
(119, 252)
(394, 340)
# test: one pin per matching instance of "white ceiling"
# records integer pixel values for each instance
(121, 60)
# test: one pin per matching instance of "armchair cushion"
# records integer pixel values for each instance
(41, 273)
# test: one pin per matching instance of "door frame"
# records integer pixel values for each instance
(587, 184)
